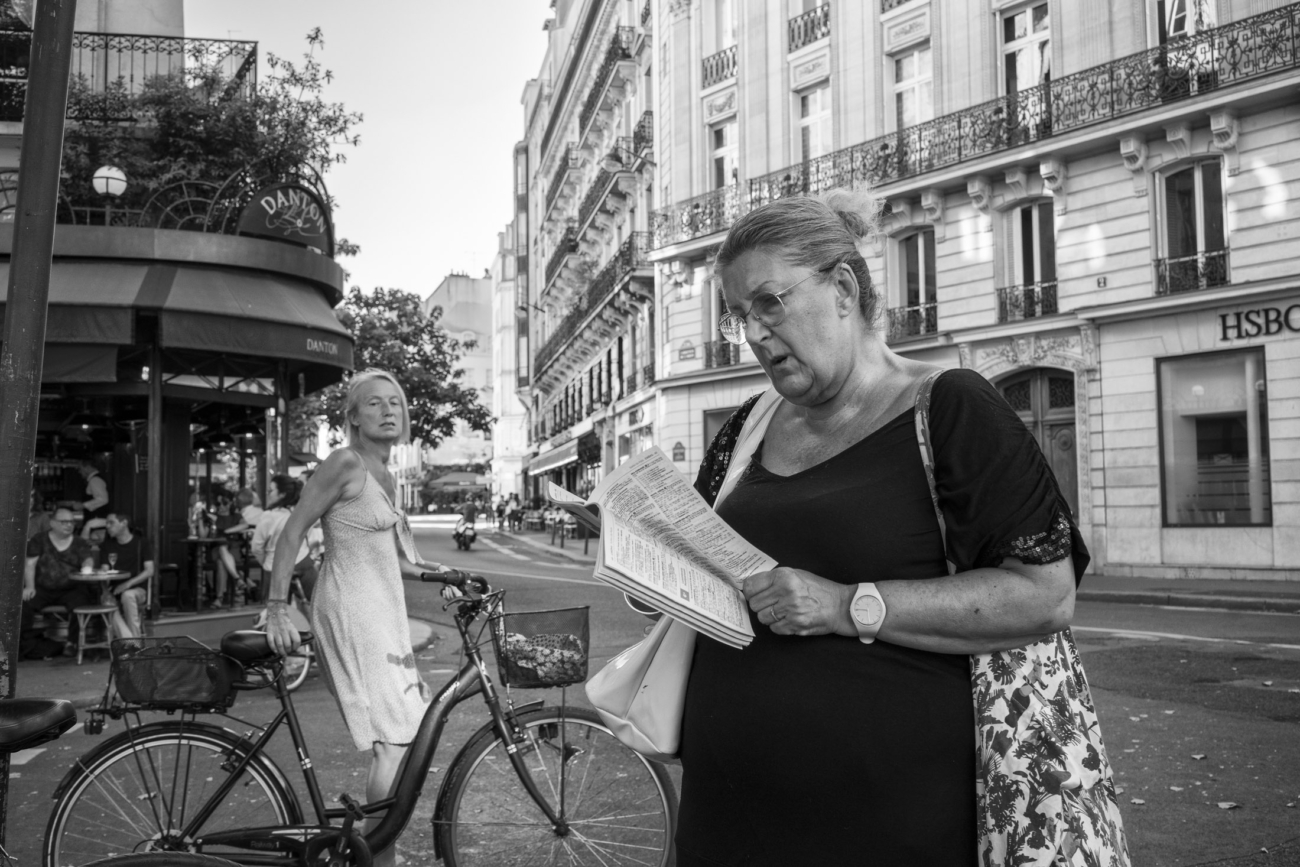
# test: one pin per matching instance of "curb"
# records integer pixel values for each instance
(555, 549)
(1192, 600)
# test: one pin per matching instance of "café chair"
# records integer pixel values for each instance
(85, 615)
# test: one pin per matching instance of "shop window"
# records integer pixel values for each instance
(722, 140)
(1193, 233)
(1214, 447)
(815, 122)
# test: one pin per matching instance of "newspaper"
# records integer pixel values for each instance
(661, 544)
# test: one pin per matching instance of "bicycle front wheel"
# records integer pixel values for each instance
(139, 791)
(619, 808)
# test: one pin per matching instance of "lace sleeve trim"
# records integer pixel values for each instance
(718, 458)
(1038, 549)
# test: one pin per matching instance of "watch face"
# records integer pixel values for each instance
(867, 610)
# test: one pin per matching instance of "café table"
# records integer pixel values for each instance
(104, 578)
(107, 610)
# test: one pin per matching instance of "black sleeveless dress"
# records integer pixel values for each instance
(822, 750)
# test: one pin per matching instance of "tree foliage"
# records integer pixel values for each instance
(196, 126)
(391, 332)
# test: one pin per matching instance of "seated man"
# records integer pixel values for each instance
(128, 552)
(52, 557)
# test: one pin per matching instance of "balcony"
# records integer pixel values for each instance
(630, 385)
(596, 193)
(809, 27)
(616, 274)
(571, 160)
(720, 67)
(110, 69)
(648, 375)
(720, 353)
(617, 64)
(1190, 273)
(645, 16)
(643, 136)
(908, 322)
(703, 215)
(1211, 60)
(567, 247)
(1026, 302)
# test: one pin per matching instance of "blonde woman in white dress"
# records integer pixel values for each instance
(359, 606)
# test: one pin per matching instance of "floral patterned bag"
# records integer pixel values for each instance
(1044, 791)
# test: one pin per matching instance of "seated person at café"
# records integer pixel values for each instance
(52, 558)
(126, 551)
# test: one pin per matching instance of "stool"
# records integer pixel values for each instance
(85, 613)
(54, 619)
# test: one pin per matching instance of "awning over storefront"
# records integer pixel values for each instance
(203, 308)
(555, 458)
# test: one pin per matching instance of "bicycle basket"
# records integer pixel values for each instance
(538, 649)
(174, 673)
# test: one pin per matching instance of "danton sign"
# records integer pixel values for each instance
(1259, 322)
(289, 212)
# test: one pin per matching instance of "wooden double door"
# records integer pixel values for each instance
(1045, 401)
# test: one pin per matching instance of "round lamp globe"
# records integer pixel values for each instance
(109, 181)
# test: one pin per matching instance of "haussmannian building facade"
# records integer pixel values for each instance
(1094, 205)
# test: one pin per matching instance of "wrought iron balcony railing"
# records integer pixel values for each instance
(110, 69)
(720, 67)
(1026, 302)
(810, 26)
(1189, 273)
(571, 159)
(905, 322)
(1239, 51)
(643, 135)
(886, 5)
(648, 375)
(620, 48)
(694, 218)
(630, 385)
(645, 15)
(595, 195)
(720, 353)
(631, 255)
(568, 245)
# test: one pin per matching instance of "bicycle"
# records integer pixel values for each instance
(535, 784)
(27, 723)
(298, 663)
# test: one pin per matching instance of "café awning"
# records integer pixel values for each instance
(221, 310)
(555, 458)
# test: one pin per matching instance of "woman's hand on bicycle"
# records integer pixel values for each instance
(281, 634)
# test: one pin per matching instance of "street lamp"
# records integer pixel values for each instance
(619, 158)
(521, 310)
(109, 182)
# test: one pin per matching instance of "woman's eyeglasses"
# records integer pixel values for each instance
(766, 308)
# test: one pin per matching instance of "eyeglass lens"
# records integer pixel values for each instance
(766, 308)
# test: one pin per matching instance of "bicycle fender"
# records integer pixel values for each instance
(440, 805)
(82, 762)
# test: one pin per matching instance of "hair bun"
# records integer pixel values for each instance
(858, 209)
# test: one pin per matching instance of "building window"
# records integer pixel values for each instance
(913, 88)
(1176, 19)
(1214, 447)
(725, 23)
(1031, 270)
(1026, 48)
(916, 288)
(723, 141)
(1194, 237)
(815, 122)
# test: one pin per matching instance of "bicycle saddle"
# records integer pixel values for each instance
(26, 722)
(250, 646)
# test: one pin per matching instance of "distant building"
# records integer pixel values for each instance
(466, 304)
(510, 430)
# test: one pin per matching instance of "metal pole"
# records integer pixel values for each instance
(24, 326)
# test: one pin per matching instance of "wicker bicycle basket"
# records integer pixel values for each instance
(174, 673)
(539, 649)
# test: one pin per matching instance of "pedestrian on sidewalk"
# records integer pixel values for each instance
(844, 730)
(359, 607)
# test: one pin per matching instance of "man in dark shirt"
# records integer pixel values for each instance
(128, 552)
(47, 580)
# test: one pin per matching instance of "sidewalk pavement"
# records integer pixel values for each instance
(84, 684)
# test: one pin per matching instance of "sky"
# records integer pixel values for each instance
(439, 85)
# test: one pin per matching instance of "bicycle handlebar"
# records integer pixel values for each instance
(459, 579)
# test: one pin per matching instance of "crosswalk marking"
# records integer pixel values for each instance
(22, 757)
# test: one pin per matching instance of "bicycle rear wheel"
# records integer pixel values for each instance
(164, 859)
(620, 808)
(136, 793)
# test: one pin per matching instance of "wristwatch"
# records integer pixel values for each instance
(868, 611)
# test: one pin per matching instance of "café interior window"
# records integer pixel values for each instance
(1214, 439)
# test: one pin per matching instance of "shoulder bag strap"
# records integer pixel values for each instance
(751, 434)
(927, 455)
